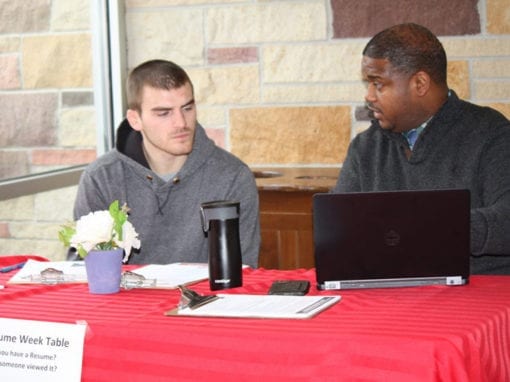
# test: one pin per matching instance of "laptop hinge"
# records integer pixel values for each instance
(392, 283)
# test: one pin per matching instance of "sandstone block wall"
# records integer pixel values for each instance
(277, 81)
(47, 114)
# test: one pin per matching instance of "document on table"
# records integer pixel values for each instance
(260, 306)
(172, 275)
(165, 276)
(50, 272)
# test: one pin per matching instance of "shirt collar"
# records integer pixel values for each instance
(412, 135)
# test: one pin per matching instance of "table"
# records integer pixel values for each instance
(432, 333)
(285, 204)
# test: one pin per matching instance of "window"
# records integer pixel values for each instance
(60, 90)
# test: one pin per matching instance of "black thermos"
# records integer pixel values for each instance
(220, 220)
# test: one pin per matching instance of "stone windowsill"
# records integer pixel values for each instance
(320, 179)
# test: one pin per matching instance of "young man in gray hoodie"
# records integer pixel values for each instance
(163, 167)
(424, 137)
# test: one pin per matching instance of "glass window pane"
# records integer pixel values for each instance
(46, 86)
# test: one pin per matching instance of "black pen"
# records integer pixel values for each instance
(12, 267)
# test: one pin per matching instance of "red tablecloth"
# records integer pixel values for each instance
(432, 333)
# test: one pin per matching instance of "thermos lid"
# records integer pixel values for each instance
(218, 210)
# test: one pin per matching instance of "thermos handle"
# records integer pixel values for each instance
(205, 221)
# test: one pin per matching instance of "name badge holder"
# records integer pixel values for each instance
(52, 276)
(131, 280)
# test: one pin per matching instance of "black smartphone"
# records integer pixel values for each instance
(290, 287)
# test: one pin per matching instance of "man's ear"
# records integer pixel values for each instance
(134, 119)
(421, 83)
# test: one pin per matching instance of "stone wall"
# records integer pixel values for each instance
(45, 86)
(284, 74)
(277, 81)
(48, 120)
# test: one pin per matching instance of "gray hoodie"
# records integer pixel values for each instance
(167, 214)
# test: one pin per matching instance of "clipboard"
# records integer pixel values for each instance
(256, 306)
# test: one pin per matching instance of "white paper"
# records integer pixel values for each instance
(262, 306)
(74, 272)
(172, 275)
(36, 351)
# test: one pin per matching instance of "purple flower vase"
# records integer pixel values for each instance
(104, 270)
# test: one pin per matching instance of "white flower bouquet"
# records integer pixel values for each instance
(101, 230)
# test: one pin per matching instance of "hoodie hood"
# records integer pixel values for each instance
(129, 142)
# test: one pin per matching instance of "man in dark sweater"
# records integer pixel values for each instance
(164, 166)
(423, 136)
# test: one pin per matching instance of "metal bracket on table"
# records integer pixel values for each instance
(130, 280)
(191, 299)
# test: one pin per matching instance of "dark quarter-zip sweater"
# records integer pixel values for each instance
(464, 146)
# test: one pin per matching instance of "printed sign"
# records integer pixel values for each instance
(40, 351)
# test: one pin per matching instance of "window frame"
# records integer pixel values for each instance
(109, 72)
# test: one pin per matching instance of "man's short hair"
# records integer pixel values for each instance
(159, 74)
(410, 48)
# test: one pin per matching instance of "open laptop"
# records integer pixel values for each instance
(391, 239)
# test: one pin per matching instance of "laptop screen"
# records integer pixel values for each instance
(391, 236)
